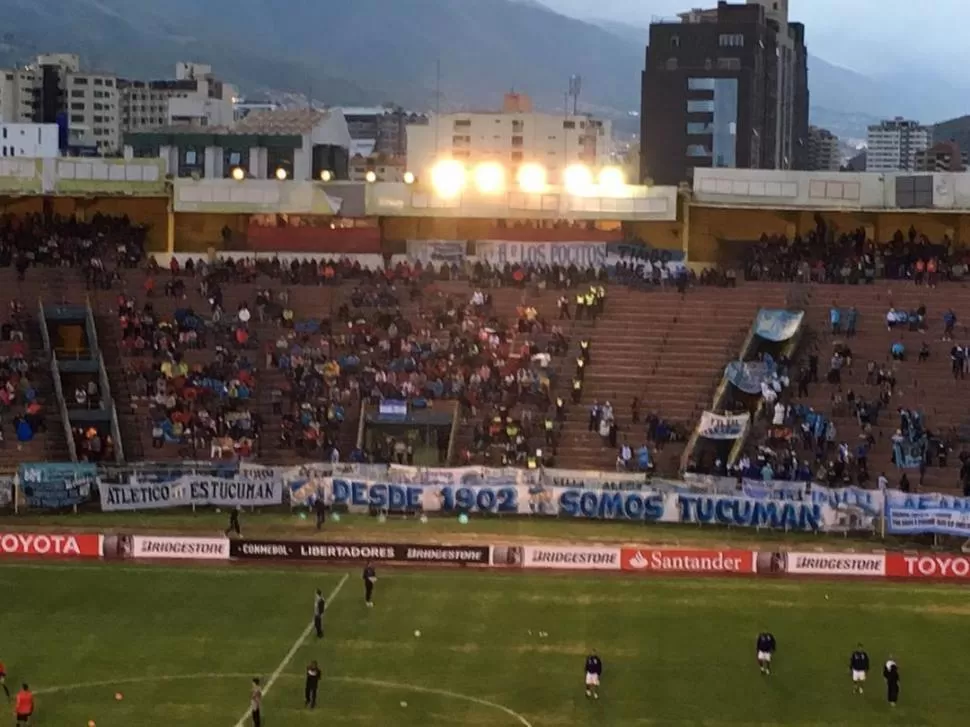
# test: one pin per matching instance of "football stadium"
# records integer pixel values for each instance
(487, 445)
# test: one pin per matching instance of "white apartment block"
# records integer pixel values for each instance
(894, 144)
(99, 107)
(194, 98)
(37, 141)
(512, 138)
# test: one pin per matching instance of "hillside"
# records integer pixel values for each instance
(345, 51)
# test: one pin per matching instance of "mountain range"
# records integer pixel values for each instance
(375, 51)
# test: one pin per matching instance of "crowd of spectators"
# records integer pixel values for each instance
(825, 255)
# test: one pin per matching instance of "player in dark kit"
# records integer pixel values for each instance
(319, 606)
(312, 682)
(370, 578)
(766, 647)
(891, 673)
(859, 664)
(594, 670)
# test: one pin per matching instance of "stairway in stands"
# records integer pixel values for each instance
(667, 349)
(928, 387)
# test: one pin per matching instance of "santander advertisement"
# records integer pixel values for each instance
(663, 560)
(50, 545)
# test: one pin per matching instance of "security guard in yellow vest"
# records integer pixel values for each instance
(580, 368)
(560, 409)
(580, 306)
(590, 301)
(584, 350)
(550, 427)
(532, 462)
(577, 390)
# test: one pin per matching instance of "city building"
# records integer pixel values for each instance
(241, 107)
(944, 156)
(194, 98)
(300, 144)
(511, 137)
(380, 130)
(892, 145)
(957, 130)
(724, 87)
(29, 140)
(823, 150)
(54, 90)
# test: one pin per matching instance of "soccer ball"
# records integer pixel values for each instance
(119, 696)
(417, 633)
(404, 704)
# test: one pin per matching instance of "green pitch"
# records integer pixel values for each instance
(181, 645)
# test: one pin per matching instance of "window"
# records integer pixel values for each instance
(700, 127)
(77, 119)
(77, 106)
(77, 93)
(80, 81)
(190, 156)
(462, 123)
(700, 106)
(553, 138)
(98, 82)
(700, 84)
(698, 150)
(671, 64)
(729, 64)
(516, 141)
(5, 132)
(675, 41)
(109, 82)
(517, 127)
(731, 40)
(569, 124)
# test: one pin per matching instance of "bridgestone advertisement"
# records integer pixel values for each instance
(359, 552)
(570, 558)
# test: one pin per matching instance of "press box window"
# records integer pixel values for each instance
(700, 106)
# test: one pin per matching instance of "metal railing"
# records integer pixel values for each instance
(106, 397)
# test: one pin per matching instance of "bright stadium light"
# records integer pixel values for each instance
(238, 173)
(326, 175)
(490, 178)
(409, 177)
(611, 179)
(281, 174)
(577, 179)
(448, 178)
(532, 177)
(370, 177)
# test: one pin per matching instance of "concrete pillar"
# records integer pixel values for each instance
(258, 159)
(302, 164)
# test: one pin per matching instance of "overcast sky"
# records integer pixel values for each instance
(864, 35)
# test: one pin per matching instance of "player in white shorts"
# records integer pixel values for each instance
(859, 666)
(765, 648)
(594, 670)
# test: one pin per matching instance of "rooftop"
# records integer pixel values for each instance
(280, 121)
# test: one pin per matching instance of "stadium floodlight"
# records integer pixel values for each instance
(577, 179)
(448, 178)
(370, 177)
(612, 179)
(281, 174)
(326, 175)
(238, 173)
(409, 177)
(490, 178)
(532, 178)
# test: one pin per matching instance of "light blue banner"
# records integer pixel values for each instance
(580, 254)
(748, 375)
(777, 325)
(908, 514)
(54, 486)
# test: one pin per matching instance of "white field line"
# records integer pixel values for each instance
(293, 649)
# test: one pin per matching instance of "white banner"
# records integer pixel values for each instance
(174, 548)
(581, 254)
(595, 480)
(837, 564)
(191, 490)
(570, 558)
(721, 426)
(461, 475)
(436, 252)
(927, 513)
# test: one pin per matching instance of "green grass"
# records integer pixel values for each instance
(279, 524)
(677, 652)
